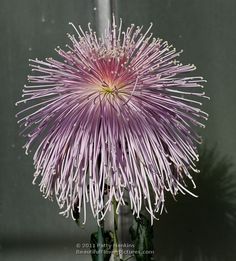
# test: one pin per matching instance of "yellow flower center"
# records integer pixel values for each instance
(107, 90)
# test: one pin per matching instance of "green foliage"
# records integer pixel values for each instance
(142, 235)
(103, 246)
(203, 226)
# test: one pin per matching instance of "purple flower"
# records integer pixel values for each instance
(115, 113)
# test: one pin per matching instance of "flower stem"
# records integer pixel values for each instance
(116, 241)
(100, 243)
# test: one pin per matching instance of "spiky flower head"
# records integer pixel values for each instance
(114, 115)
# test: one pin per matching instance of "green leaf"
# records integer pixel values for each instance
(142, 235)
(101, 248)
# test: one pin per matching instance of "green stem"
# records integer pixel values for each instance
(116, 241)
(128, 258)
(100, 243)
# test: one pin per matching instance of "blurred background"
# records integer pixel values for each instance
(193, 229)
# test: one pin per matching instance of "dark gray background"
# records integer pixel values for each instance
(31, 228)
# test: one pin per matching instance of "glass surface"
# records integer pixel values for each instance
(31, 228)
